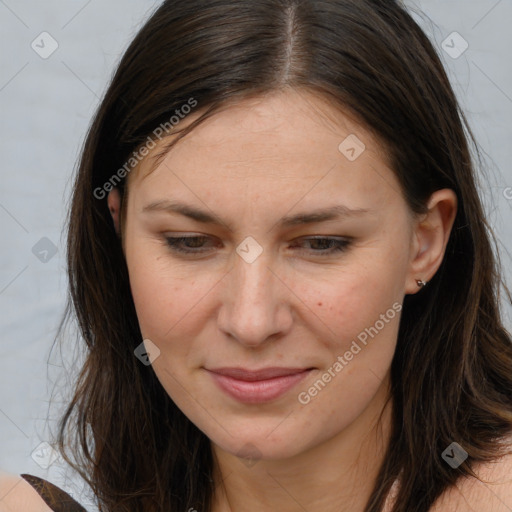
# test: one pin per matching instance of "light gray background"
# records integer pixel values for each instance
(46, 106)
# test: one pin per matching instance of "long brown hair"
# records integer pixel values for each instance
(451, 373)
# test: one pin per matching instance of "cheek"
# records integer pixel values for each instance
(353, 299)
(360, 323)
(169, 295)
(164, 298)
(359, 313)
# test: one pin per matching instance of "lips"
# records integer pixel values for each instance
(257, 386)
(254, 375)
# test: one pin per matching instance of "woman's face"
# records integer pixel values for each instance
(267, 284)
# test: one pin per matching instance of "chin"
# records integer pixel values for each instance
(260, 446)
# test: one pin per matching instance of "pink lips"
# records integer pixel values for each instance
(257, 386)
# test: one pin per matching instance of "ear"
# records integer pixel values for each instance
(114, 205)
(430, 238)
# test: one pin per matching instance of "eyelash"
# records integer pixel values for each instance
(173, 244)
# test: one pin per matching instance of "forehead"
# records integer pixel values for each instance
(281, 140)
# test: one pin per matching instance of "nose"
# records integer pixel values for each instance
(256, 302)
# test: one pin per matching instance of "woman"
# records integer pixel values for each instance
(281, 268)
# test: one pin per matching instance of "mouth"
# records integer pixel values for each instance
(257, 386)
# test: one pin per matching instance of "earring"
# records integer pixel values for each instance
(420, 283)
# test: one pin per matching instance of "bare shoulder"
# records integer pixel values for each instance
(492, 493)
(17, 495)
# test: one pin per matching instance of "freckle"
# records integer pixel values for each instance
(319, 303)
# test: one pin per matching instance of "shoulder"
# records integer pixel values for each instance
(491, 493)
(17, 495)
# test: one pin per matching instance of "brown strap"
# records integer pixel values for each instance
(55, 498)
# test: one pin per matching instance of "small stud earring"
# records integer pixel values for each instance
(420, 283)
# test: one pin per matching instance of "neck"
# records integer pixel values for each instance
(336, 475)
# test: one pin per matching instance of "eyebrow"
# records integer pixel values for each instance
(330, 213)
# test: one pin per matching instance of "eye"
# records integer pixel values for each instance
(320, 246)
(326, 246)
(186, 244)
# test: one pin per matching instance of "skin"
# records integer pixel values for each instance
(322, 456)
(250, 165)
